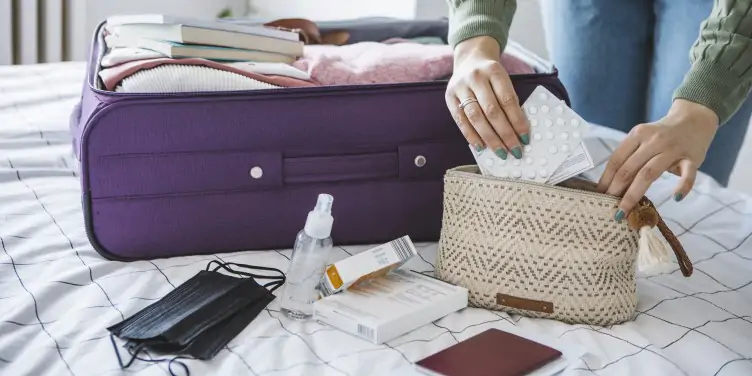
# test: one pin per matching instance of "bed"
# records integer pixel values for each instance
(57, 295)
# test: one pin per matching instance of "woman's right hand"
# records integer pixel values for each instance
(482, 100)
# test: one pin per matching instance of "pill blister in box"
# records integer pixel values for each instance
(556, 151)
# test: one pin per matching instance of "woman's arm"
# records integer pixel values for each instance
(711, 92)
(474, 18)
(480, 95)
(721, 73)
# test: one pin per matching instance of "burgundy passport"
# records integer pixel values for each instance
(490, 353)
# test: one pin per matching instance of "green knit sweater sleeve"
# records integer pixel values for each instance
(473, 18)
(721, 73)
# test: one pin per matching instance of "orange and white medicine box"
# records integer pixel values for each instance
(390, 306)
(373, 263)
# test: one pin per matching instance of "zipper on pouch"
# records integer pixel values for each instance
(581, 192)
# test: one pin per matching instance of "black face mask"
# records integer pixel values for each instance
(199, 317)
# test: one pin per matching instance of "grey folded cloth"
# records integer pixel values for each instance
(375, 29)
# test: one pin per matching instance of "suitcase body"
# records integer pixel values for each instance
(197, 173)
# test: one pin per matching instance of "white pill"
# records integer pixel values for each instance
(549, 135)
(517, 162)
(549, 123)
(528, 148)
(543, 173)
(532, 110)
(542, 96)
(574, 122)
(560, 122)
(564, 135)
(552, 149)
(531, 174)
(489, 162)
(576, 134)
(564, 148)
(559, 109)
(534, 122)
(516, 174)
(537, 136)
(542, 161)
(544, 109)
(504, 174)
(529, 160)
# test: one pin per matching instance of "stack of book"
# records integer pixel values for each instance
(178, 37)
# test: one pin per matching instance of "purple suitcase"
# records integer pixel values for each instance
(195, 173)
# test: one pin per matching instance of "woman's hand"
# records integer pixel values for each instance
(482, 100)
(677, 143)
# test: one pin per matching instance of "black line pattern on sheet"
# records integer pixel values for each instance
(304, 342)
(695, 295)
(689, 329)
(36, 309)
(641, 349)
(69, 283)
(730, 362)
(34, 263)
(282, 254)
(13, 322)
(70, 242)
(162, 272)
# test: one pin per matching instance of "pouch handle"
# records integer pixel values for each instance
(646, 214)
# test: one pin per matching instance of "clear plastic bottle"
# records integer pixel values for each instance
(310, 255)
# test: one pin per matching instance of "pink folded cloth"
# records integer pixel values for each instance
(394, 61)
(113, 75)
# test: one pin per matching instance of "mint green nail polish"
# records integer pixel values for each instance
(479, 148)
(619, 215)
(678, 197)
(525, 138)
(501, 153)
(517, 152)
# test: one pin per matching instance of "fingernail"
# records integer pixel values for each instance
(501, 153)
(678, 197)
(479, 148)
(517, 152)
(525, 138)
(619, 215)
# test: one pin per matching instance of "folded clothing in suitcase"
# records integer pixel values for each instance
(172, 174)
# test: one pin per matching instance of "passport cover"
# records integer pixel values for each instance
(490, 353)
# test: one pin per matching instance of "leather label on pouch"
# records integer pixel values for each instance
(523, 303)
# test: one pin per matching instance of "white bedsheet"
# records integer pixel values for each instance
(57, 295)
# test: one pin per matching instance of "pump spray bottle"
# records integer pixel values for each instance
(310, 255)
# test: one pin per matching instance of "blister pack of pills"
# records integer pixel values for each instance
(556, 151)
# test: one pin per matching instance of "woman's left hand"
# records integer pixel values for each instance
(677, 143)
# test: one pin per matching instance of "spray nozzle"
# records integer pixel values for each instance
(319, 222)
(324, 203)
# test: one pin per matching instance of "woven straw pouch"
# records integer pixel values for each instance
(547, 251)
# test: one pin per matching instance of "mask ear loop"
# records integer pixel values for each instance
(276, 284)
(134, 356)
(227, 266)
(140, 348)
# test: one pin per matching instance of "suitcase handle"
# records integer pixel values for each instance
(340, 168)
(415, 161)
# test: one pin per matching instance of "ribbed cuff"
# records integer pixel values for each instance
(474, 18)
(713, 86)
